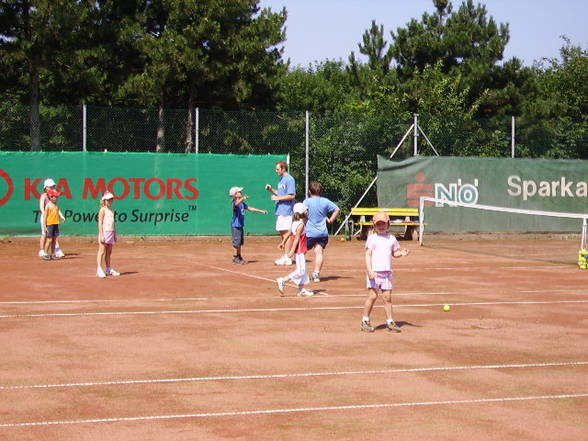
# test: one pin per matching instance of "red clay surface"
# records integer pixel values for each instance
(184, 345)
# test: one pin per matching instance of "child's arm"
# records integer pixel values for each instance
(256, 210)
(100, 220)
(368, 264)
(400, 252)
(61, 216)
(240, 199)
(285, 239)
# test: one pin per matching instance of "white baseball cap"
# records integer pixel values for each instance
(300, 208)
(234, 190)
(49, 183)
(107, 195)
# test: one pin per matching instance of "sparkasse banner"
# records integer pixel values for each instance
(530, 184)
(155, 194)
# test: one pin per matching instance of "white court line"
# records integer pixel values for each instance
(200, 299)
(298, 375)
(295, 410)
(320, 308)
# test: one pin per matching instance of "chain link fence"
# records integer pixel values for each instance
(342, 148)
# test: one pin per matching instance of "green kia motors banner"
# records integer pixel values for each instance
(530, 184)
(155, 194)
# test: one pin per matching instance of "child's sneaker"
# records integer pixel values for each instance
(287, 261)
(365, 326)
(112, 272)
(316, 277)
(100, 273)
(41, 253)
(281, 285)
(305, 292)
(392, 326)
(46, 257)
(55, 257)
(59, 254)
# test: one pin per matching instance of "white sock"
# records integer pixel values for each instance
(366, 318)
(390, 321)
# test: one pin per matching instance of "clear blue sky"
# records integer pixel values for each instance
(330, 29)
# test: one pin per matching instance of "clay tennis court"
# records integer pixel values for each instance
(184, 345)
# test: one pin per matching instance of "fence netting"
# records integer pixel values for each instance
(343, 147)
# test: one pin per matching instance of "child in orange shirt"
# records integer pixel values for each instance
(53, 216)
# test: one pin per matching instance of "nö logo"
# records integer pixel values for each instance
(457, 192)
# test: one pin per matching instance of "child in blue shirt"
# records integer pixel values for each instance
(238, 221)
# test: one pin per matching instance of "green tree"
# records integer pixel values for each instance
(205, 53)
(36, 37)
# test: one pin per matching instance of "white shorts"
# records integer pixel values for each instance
(283, 223)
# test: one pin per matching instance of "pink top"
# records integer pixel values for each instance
(382, 246)
(108, 220)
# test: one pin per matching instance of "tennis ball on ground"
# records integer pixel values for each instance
(446, 308)
(342, 239)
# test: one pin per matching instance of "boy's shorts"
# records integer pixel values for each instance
(383, 281)
(283, 223)
(238, 236)
(53, 230)
(312, 241)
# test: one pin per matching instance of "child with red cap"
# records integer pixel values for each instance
(53, 216)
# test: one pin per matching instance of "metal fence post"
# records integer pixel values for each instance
(416, 133)
(196, 130)
(512, 137)
(84, 129)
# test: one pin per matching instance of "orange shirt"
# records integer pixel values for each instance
(52, 214)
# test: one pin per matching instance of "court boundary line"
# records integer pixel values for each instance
(288, 309)
(295, 375)
(297, 410)
(571, 291)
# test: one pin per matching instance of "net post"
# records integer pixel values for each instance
(583, 244)
(421, 219)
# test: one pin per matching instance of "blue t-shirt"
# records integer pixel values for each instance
(238, 215)
(319, 209)
(285, 186)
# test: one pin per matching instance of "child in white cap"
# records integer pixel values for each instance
(298, 249)
(238, 221)
(106, 237)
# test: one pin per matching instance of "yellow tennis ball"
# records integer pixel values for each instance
(446, 308)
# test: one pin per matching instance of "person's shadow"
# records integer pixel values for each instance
(401, 324)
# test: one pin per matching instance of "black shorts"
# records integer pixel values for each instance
(238, 236)
(53, 230)
(312, 241)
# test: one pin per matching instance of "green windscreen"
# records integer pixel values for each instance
(155, 194)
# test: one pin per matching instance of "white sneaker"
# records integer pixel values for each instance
(281, 284)
(316, 277)
(287, 261)
(111, 272)
(305, 292)
(41, 253)
(55, 257)
(281, 260)
(100, 273)
(59, 254)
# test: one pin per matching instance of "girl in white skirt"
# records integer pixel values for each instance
(297, 250)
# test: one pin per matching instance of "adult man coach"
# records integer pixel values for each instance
(284, 197)
(321, 211)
